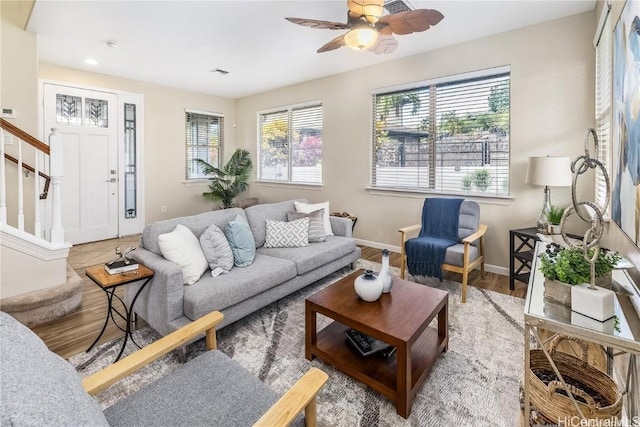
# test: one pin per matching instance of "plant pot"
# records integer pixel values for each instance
(557, 291)
(555, 229)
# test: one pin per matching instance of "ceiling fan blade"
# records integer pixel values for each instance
(334, 44)
(372, 10)
(316, 23)
(384, 45)
(413, 21)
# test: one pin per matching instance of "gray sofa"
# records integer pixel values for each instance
(167, 304)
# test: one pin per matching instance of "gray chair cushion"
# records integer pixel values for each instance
(217, 293)
(196, 223)
(209, 390)
(258, 214)
(455, 254)
(315, 255)
(38, 387)
(469, 218)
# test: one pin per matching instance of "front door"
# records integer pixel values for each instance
(88, 123)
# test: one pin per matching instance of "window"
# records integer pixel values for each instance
(448, 135)
(604, 57)
(290, 144)
(205, 136)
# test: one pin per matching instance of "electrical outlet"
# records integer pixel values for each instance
(163, 208)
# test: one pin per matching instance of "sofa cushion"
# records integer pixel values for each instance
(232, 396)
(218, 293)
(308, 208)
(241, 241)
(37, 386)
(258, 214)
(294, 234)
(196, 223)
(316, 224)
(216, 249)
(313, 256)
(183, 248)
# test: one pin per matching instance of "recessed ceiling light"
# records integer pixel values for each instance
(113, 44)
(91, 61)
(219, 71)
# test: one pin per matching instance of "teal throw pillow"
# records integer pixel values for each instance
(241, 241)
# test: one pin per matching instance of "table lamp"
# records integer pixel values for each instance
(548, 172)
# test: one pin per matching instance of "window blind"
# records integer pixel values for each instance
(604, 58)
(450, 136)
(290, 144)
(205, 136)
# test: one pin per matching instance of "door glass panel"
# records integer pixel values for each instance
(130, 164)
(96, 112)
(68, 110)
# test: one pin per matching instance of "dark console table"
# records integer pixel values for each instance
(522, 248)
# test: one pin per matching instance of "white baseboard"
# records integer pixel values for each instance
(496, 269)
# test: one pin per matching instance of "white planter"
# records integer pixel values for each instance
(595, 303)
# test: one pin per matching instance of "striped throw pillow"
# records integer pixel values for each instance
(316, 224)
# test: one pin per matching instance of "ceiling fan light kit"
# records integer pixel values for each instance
(369, 29)
(361, 37)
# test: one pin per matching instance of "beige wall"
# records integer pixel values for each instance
(552, 104)
(164, 125)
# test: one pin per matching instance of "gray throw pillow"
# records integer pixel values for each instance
(316, 224)
(241, 241)
(282, 234)
(216, 249)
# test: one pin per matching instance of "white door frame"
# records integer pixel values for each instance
(125, 226)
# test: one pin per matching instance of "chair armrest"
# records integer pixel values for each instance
(482, 228)
(300, 396)
(97, 382)
(409, 229)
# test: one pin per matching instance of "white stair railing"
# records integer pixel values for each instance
(45, 157)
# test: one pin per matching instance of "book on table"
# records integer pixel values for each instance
(120, 267)
(366, 345)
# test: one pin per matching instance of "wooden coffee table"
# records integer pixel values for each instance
(400, 318)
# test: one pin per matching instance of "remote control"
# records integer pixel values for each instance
(360, 339)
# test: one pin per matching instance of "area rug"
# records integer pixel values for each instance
(474, 383)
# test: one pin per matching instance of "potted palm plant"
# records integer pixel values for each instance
(230, 180)
(565, 267)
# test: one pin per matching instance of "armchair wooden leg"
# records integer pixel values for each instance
(311, 414)
(465, 278)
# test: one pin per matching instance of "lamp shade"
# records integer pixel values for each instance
(361, 37)
(549, 171)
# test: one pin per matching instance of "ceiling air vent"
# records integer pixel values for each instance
(396, 6)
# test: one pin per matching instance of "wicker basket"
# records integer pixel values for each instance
(554, 406)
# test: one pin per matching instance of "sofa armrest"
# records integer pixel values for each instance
(163, 299)
(341, 226)
(302, 395)
(95, 383)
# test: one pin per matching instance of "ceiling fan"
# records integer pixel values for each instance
(369, 29)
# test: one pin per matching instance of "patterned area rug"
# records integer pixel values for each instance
(474, 383)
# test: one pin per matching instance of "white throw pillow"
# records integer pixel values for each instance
(183, 248)
(308, 208)
(281, 234)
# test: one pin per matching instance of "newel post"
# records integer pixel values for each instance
(55, 170)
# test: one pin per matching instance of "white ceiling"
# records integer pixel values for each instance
(177, 43)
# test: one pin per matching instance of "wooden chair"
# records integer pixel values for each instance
(462, 257)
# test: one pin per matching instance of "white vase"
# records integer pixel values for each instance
(368, 286)
(385, 274)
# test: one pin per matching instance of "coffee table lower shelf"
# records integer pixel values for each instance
(378, 373)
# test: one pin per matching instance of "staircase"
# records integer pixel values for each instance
(36, 283)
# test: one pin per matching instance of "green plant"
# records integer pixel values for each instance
(467, 182)
(569, 265)
(482, 179)
(555, 215)
(230, 180)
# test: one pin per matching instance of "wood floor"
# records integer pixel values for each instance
(73, 333)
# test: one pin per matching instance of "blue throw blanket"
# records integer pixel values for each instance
(425, 253)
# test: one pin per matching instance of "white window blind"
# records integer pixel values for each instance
(448, 136)
(290, 144)
(604, 58)
(205, 136)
